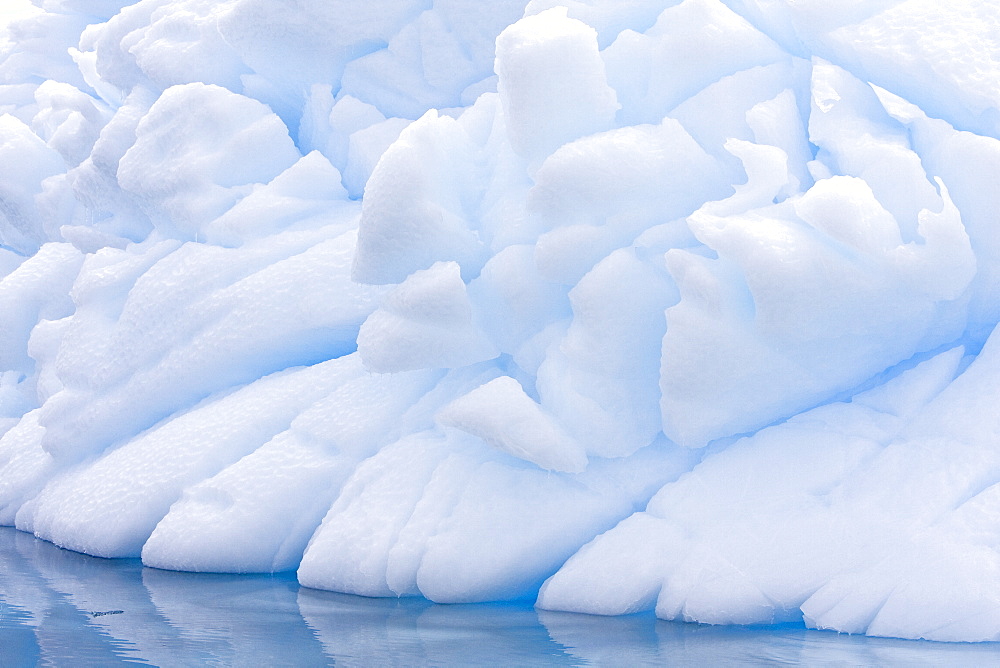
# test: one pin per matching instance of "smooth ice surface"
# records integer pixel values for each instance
(684, 306)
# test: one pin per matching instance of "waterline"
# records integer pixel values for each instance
(60, 608)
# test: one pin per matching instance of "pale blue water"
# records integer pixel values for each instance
(62, 608)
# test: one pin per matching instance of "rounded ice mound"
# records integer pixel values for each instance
(500, 413)
(198, 151)
(416, 209)
(831, 532)
(424, 323)
(26, 162)
(552, 83)
(685, 306)
(777, 324)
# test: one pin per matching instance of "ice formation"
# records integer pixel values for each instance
(672, 305)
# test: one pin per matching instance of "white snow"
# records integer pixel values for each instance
(502, 415)
(683, 306)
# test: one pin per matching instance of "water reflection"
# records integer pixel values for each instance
(642, 640)
(61, 608)
(406, 632)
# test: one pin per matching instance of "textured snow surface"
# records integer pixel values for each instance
(657, 305)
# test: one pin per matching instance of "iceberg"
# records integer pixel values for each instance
(686, 307)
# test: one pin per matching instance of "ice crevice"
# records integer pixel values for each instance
(676, 305)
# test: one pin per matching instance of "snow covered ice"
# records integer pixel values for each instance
(674, 306)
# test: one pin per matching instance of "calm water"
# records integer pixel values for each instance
(62, 608)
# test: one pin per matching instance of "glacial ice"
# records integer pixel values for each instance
(684, 306)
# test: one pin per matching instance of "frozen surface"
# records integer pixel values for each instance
(682, 306)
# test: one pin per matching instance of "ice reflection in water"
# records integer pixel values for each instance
(387, 632)
(51, 605)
